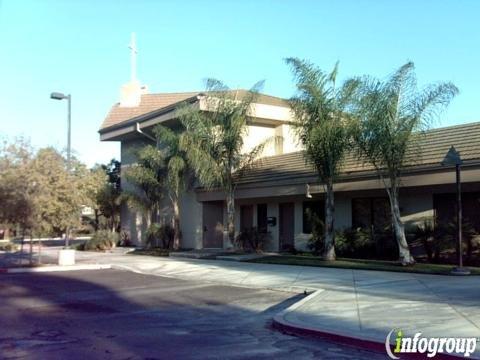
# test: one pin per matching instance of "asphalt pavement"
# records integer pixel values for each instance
(112, 314)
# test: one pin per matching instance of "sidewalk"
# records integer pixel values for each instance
(359, 304)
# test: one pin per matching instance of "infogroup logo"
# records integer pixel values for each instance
(429, 346)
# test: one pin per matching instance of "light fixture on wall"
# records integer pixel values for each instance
(307, 191)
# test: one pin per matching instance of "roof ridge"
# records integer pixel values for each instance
(296, 153)
(206, 91)
(452, 126)
(174, 93)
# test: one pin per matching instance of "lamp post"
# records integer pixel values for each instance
(452, 158)
(60, 96)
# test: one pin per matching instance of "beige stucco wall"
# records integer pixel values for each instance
(415, 207)
(280, 139)
(255, 135)
(289, 140)
(191, 224)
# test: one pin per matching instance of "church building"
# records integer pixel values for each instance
(275, 195)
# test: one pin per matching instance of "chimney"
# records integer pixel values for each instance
(131, 93)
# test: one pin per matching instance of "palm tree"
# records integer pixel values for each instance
(214, 141)
(146, 180)
(393, 116)
(323, 126)
(175, 161)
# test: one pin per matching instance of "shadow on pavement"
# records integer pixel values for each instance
(115, 314)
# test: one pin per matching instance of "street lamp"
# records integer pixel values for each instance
(452, 158)
(60, 96)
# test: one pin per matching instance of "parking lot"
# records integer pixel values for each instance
(112, 314)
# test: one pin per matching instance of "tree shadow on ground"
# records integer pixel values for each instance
(114, 314)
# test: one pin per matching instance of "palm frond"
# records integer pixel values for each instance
(393, 114)
(322, 122)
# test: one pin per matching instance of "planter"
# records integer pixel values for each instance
(66, 257)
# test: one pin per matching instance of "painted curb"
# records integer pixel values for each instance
(53, 268)
(281, 323)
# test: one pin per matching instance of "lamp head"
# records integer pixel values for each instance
(452, 158)
(57, 96)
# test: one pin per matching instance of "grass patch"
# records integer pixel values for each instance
(150, 252)
(358, 264)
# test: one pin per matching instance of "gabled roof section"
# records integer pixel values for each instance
(433, 147)
(153, 102)
(148, 103)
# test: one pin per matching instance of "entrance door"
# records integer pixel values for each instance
(246, 217)
(213, 224)
(286, 226)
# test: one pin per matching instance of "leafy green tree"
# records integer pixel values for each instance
(39, 195)
(175, 160)
(60, 194)
(17, 186)
(214, 141)
(323, 126)
(392, 116)
(106, 198)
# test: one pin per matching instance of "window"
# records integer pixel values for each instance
(315, 207)
(262, 218)
(246, 217)
(368, 212)
(445, 206)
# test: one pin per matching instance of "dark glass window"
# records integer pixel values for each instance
(445, 206)
(316, 207)
(368, 212)
(262, 218)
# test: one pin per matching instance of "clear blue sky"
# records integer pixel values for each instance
(80, 47)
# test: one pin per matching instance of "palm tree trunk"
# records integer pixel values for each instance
(231, 216)
(176, 223)
(329, 252)
(404, 252)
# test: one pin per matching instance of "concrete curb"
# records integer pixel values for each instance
(53, 268)
(281, 323)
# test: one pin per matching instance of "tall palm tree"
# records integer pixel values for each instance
(175, 161)
(146, 181)
(393, 116)
(323, 126)
(214, 141)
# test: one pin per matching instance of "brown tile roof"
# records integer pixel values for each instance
(434, 145)
(149, 103)
(153, 102)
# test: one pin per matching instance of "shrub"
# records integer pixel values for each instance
(425, 232)
(8, 246)
(160, 235)
(445, 235)
(101, 240)
(252, 239)
(363, 243)
(125, 238)
(354, 243)
(386, 247)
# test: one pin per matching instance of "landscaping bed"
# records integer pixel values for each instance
(150, 252)
(359, 264)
